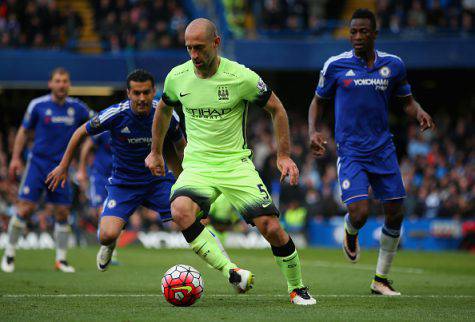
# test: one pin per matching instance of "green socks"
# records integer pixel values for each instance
(289, 264)
(205, 244)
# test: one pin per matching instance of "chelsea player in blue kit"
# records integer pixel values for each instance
(53, 118)
(131, 183)
(100, 170)
(362, 82)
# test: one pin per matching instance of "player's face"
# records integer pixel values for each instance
(202, 49)
(362, 36)
(59, 85)
(141, 95)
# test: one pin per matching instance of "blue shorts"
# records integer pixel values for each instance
(380, 171)
(33, 184)
(97, 190)
(123, 200)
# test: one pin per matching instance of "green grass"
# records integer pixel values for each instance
(435, 286)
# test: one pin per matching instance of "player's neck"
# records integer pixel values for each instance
(211, 71)
(58, 100)
(367, 56)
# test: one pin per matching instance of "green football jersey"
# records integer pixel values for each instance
(215, 110)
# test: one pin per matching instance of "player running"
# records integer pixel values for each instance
(215, 93)
(131, 183)
(53, 118)
(362, 81)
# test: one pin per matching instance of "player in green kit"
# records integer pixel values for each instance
(214, 93)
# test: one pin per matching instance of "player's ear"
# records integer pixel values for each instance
(216, 42)
(128, 92)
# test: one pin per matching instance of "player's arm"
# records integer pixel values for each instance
(317, 139)
(414, 109)
(86, 148)
(60, 173)
(16, 163)
(280, 122)
(161, 122)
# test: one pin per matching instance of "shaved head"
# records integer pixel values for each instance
(202, 43)
(202, 27)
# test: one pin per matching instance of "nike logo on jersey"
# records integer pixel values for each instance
(181, 94)
(350, 73)
(125, 130)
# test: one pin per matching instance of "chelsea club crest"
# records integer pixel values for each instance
(384, 71)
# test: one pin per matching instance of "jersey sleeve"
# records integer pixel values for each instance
(174, 132)
(31, 116)
(402, 87)
(102, 121)
(327, 82)
(253, 88)
(169, 95)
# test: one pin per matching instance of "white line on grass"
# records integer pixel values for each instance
(363, 267)
(227, 295)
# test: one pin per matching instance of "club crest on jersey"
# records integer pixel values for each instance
(70, 111)
(223, 93)
(384, 71)
(345, 184)
(111, 203)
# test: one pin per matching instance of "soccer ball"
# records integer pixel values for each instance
(182, 285)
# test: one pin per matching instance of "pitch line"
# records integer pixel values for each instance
(18, 296)
(362, 267)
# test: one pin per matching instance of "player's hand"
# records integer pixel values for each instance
(81, 176)
(15, 168)
(425, 121)
(57, 176)
(155, 163)
(287, 167)
(317, 144)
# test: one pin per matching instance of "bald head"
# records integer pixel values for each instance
(202, 28)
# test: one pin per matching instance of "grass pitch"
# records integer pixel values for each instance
(435, 286)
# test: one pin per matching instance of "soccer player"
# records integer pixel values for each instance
(362, 81)
(100, 171)
(95, 183)
(53, 118)
(131, 183)
(215, 93)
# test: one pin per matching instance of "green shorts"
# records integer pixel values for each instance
(240, 184)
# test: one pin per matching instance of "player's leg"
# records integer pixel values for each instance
(354, 184)
(29, 192)
(110, 228)
(190, 194)
(286, 257)
(16, 227)
(247, 193)
(62, 232)
(120, 204)
(61, 198)
(389, 188)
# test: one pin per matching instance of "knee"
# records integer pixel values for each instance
(182, 211)
(62, 214)
(107, 237)
(25, 209)
(270, 227)
(394, 216)
(359, 213)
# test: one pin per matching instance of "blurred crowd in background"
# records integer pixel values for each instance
(125, 25)
(438, 170)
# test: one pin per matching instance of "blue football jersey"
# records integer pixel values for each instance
(54, 124)
(362, 97)
(103, 156)
(131, 140)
